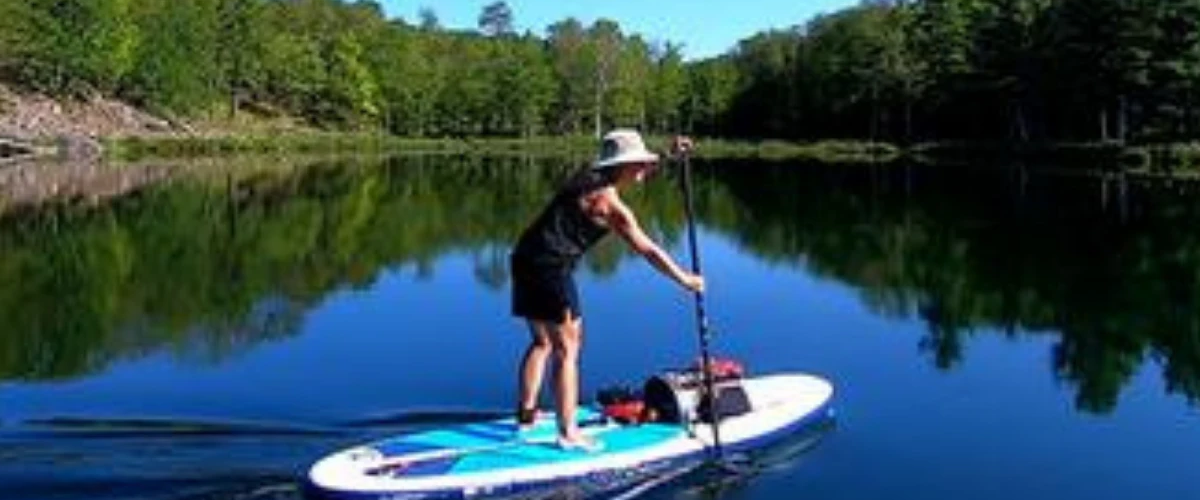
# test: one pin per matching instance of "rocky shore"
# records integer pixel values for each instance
(35, 124)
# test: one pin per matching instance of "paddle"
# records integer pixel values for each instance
(701, 316)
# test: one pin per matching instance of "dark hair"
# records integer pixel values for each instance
(610, 173)
(609, 148)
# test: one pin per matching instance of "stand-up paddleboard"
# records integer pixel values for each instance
(497, 458)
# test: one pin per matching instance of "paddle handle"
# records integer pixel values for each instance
(705, 333)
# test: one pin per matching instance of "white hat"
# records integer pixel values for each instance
(623, 146)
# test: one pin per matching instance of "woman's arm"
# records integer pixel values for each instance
(621, 219)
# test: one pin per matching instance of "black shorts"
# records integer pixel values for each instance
(543, 292)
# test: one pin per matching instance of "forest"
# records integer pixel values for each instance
(1114, 71)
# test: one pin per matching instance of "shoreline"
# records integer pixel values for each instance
(1160, 159)
(36, 127)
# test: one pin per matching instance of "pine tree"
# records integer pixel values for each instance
(496, 19)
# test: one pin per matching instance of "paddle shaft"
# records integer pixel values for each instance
(701, 316)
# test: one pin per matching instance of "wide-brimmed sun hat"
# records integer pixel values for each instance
(623, 146)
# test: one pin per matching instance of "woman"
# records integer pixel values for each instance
(584, 210)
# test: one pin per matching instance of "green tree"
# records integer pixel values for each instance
(294, 71)
(572, 68)
(351, 94)
(72, 48)
(604, 47)
(241, 45)
(766, 97)
(1102, 49)
(667, 90)
(712, 89)
(943, 38)
(421, 84)
(524, 87)
(630, 85)
(176, 68)
(429, 19)
(466, 93)
(1010, 57)
(1175, 70)
(13, 36)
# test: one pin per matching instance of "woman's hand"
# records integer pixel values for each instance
(681, 145)
(694, 282)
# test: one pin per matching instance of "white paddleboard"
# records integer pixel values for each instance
(494, 458)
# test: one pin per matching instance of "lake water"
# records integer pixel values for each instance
(993, 333)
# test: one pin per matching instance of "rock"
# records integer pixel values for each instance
(34, 116)
(79, 148)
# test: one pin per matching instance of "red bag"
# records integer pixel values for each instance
(627, 412)
(723, 369)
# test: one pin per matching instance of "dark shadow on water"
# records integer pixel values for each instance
(110, 428)
(233, 486)
(186, 459)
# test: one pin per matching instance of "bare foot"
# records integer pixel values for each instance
(526, 418)
(579, 441)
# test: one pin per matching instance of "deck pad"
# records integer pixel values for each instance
(498, 445)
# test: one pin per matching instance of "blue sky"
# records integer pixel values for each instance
(705, 27)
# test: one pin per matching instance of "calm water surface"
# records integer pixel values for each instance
(992, 333)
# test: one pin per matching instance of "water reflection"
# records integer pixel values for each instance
(993, 251)
(208, 268)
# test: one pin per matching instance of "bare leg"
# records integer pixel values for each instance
(567, 339)
(533, 364)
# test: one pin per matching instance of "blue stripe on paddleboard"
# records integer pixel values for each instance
(616, 440)
(478, 435)
(393, 447)
(429, 467)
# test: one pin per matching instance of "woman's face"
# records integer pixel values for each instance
(638, 172)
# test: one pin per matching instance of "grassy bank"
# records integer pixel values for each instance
(137, 148)
(1183, 158)
(822, 151)
(1165, 158)
(1178, 158)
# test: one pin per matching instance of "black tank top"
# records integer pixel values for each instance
(563, 231)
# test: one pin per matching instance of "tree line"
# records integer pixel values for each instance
(1022, 70)
(344, 65)
(902, 71)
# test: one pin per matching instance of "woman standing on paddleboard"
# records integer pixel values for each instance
(583, 211)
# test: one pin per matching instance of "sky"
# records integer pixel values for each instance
(705, 27)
